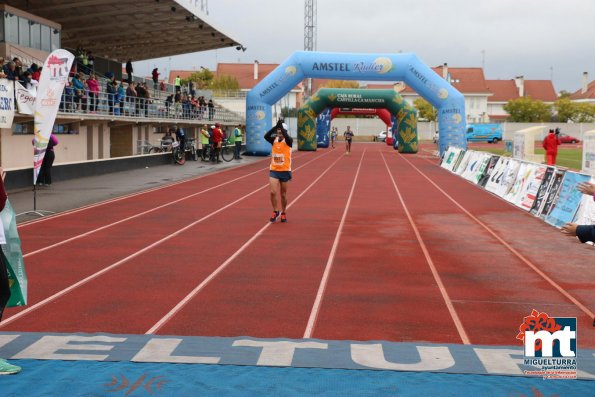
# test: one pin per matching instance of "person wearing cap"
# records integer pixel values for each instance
(280, 168)
(237, 133)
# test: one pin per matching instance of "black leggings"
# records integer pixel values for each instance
(4, 287)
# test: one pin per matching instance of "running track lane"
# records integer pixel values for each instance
(38, 234)
(558, 256)
(67, 264)
(380, 277)
(268, 290)
(134, 296)
(492, 289)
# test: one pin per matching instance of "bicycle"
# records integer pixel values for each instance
(191, 147)
(177, 153)
(165, 146)
(227, 151)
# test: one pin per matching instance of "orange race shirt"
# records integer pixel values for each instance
(280, 157)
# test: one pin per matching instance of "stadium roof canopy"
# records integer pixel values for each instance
(131, 29)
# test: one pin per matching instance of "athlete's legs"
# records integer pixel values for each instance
(274, 188)
(283, 196)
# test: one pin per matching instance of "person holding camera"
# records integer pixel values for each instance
(550, 144)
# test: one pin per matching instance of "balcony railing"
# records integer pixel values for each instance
(106, 104)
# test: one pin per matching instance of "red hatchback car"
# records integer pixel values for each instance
(564, 138)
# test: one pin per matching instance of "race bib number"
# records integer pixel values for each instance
(278, 159)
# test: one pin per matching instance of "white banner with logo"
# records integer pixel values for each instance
(25, 99)
(54, 76)
(6, 103)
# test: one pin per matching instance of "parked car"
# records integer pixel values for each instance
(381, 137)
(484, 133)
(565, 138)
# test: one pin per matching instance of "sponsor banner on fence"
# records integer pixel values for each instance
(569, 198)
(586, 211)
(6, 103)
(532, 187)
(544, 188)
(589, 153)
(25, 99)
(489, 170)
(552, 194)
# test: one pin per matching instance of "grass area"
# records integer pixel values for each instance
(569, 158)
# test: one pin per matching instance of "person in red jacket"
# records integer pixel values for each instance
(550, 144)
(217, 137)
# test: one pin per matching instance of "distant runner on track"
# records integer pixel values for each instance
(280, 169)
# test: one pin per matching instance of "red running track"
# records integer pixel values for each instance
(378, 246)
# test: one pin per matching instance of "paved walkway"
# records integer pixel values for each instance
(74, 193)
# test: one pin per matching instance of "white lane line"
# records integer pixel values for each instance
(137, 253)
(329, 263)
(222, 267)
(435, 274)
(568, 296)
(127, 196)
(141, 213)
(137, 215)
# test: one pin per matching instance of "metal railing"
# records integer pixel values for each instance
(106, 104)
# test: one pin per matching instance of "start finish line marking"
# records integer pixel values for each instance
(309, 353)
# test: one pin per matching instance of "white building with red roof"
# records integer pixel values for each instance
(587, 91)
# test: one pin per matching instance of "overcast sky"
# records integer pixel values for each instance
(535, 38)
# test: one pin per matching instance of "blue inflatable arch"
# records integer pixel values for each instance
(449, 102)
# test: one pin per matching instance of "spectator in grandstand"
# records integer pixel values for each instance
(91, 61)
(36, 72)
(93, 86)
(177, 104)
(141, 93)
(2, 66)
(121, 97)
(67, 103)
(10, 71)
(211, 107)
(178, 84)
(5, 367)
(129, 70)
(131, 97)
(18, 66)
(78, 86)
(550, 144)
(168, 102)
(27, 82)
(583, 232)
(191, 90)
(111, 89)
(155, 75)
(162, 86)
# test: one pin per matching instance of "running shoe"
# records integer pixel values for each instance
(274, 216)
(283, 217)
(8, 369)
